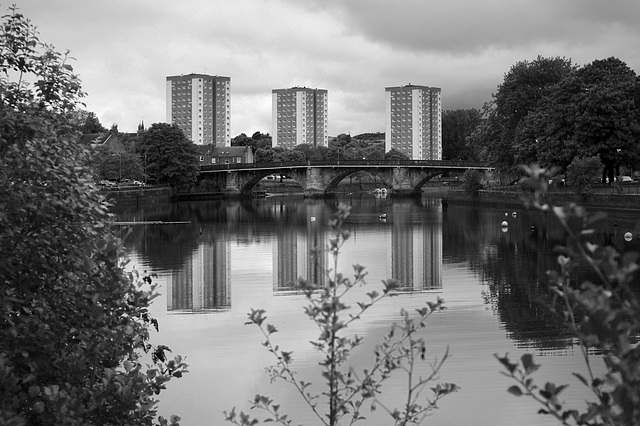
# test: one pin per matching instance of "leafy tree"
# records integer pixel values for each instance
(472, 181)
(241, 140)
(289, 155)
(264, 155)
(256, 141)
(171, 157)
(603, 314)
(457, 125)
(376, 136)
(582, 173)
(340, 141)
(593, 112)
(374, 151)
(395, 155)
(307, 150)
(523, 87)
(118, 166)
(73, 324)
(401, 350)
(89, 122)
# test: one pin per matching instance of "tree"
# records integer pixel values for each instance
(89, 123)
(374, 151)
(457, 125)
(582, 173)
(263, 155)
(472, 181)
(119, 165)
(523, 87)
(395, 155)
(171, 158)
(593, 112)
(73, 323)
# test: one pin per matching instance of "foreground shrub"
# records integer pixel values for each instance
(73, 324)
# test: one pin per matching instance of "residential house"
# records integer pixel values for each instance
(212, 155)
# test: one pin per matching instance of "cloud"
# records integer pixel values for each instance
(353, 48)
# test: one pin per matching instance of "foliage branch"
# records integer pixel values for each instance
(347, 390)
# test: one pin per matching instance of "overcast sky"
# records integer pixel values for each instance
(124, 49)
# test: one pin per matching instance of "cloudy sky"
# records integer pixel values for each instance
(124, 49)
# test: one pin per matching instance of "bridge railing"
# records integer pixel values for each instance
(345, 163)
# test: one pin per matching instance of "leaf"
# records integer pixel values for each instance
(528, 364)
(271, 329)
(515, 390)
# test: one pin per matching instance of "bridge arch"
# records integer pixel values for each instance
(342, 174)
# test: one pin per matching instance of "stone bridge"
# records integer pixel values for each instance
(319, 178)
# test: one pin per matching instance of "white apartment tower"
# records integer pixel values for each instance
(200, 105)
(413, 121)
(299, 116)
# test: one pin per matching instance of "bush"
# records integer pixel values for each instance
(73, 324)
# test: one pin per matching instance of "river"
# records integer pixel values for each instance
(218, 259)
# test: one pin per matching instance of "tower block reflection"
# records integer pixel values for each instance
(300, 253)
(416, 249)
(204, 281)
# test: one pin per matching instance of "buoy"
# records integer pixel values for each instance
(514, 214)
(313, 218)
(505, 224)
(628, 236)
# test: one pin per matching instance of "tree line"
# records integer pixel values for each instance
(551, 112)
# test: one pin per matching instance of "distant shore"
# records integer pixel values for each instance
(512, 197)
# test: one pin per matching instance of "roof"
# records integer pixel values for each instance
(113, 143)
(91, 138)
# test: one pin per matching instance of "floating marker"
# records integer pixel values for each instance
(628, 236)
(505, 224)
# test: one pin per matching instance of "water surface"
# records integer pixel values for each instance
(230, 256)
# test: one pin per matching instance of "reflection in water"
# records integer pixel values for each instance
(414, 237)
(203, 282)
(200, 281)
(416, 247)
(230, 256)
(299, 252)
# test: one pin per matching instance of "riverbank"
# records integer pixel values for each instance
(138, 196)
(512, 197)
